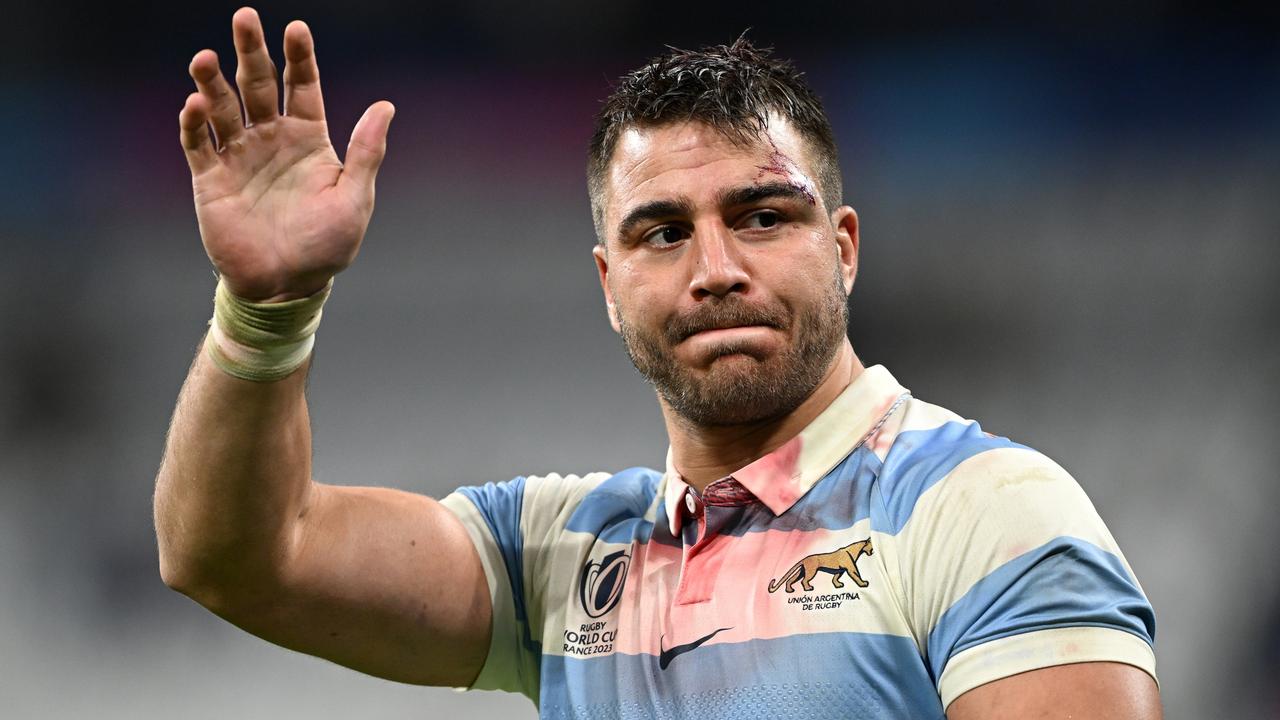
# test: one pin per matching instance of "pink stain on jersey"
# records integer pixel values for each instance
(776, 478)
(701, 570)
(736, 577)
(650, 585)
(881, 441)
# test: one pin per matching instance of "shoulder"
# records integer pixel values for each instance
(996, 541)
(522, 494)
(925, 448)
(555, 501)
(567, 493)
(616, 502)
(948, 488)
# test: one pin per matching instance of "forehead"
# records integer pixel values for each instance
(693, 159)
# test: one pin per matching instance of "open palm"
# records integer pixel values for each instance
(279, 214)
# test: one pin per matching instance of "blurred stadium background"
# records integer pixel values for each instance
(1070, 232)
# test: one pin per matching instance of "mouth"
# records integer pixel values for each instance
(727, 330)
(733, 335)
(728, 321)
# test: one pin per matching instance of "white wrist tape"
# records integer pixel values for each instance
(262, 342)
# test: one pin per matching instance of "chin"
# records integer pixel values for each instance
(736, 389)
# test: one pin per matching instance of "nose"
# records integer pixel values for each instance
(718, 264)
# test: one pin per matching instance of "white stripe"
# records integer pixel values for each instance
(549, 552)
(1040, 649)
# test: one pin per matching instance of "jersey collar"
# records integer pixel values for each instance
(783, 476)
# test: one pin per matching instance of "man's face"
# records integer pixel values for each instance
(722, 270)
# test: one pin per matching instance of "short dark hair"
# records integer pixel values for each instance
(732, 88)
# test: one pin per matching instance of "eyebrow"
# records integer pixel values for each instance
(732, 197)
(655, 210)
(751, 194)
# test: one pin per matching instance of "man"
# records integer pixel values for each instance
(821, 544)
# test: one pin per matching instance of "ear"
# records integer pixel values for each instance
(845, 222)
(601, 255)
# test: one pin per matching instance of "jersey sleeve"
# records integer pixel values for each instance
(1007, 567)
(513, 526)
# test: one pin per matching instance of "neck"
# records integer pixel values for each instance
(703, 455)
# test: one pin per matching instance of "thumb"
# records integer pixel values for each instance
(368, 146)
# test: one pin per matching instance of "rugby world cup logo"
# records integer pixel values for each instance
(600, 587)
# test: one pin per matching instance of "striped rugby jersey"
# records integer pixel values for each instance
(884, 561)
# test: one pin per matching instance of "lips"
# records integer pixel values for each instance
(713, 328)
(723, 318)
(725, 327)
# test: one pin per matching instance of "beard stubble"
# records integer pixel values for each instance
(764, 389)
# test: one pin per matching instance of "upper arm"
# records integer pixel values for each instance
(383, 581)
(1096, 690)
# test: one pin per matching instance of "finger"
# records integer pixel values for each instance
(301, 74)
(225, 112)
(255, 73)
(367, 148)
(193, 123)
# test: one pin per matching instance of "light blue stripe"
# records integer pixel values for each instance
(614, 510)
(501, 505)
(1067, 582)
(822, 675)
(918, 459)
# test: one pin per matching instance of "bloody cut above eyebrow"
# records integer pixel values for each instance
(728, 198)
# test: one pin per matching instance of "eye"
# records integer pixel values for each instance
(665, 235)
(762, 220)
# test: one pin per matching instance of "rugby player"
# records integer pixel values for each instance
(820, 543)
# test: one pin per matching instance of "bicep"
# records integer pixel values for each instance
(382, 581)
(1098, 690)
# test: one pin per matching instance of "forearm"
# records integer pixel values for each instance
(235, 479)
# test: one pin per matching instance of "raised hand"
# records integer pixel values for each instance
(279, 214)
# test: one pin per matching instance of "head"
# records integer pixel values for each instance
(724, 253)
(733, 89)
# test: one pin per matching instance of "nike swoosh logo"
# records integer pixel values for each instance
(666, 656)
